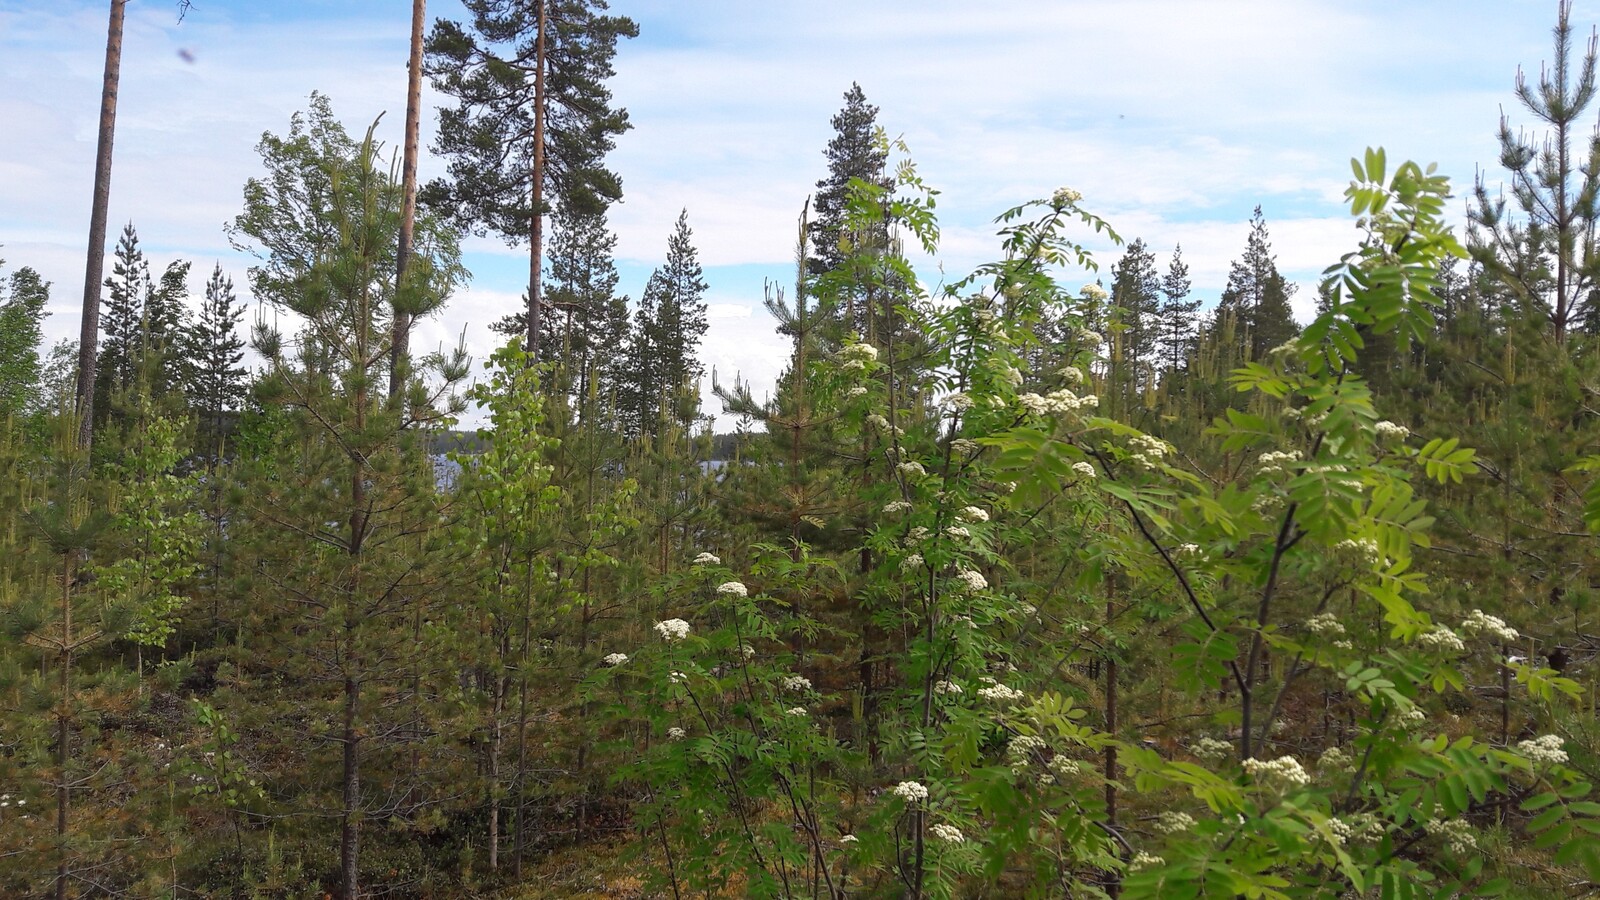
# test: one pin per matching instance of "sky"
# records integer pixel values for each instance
(1173, 118)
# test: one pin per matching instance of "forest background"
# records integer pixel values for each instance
(1041, 577)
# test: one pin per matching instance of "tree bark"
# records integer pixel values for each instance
(350, 824)
(536, 232)
(400, 342)
(94, 268)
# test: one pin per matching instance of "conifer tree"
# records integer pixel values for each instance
(22, 312)
(1549, 259)
(1258, 296)
(533, 119)
(1179, 315)
(669, 325)
(1135, 305)
(215, 351)
(162, 328)
(852, 152)
(127, 289)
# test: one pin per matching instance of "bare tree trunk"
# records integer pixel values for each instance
(400, 342)
(536, 236)
(94, 268)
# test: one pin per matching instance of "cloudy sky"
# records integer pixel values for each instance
(1174, 118)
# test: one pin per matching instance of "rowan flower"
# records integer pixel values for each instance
(948, 687)
(676, 734)
(1546, 749)
(1387, 430)
(912, 469)
(918, 533)
(677, 677)
(1000, 693)
(957, 531)
(1172, 822)
(615, 659)
(1093, 292)
(878, 421)
(856, 391)
(1011, 376)
(847, 839)
(1341, 830)
(896, 506)
(1065, 766)
(1034, 403)
(733, 589)
(1083, 469)
(1442, 638)
(1325, 623)
(1492, 626)
(1188, 550)
(914, 561)
(947, 833)
(958, 402)
(1072, 375)
(1284, 771)
(974, 514)
(673, 630)
(1275, 460)
(965, 447)
(911, 791)
(707, 559)
(971, 579)
(1064, 197)
(1457, 833)
(1143, 860)
(1211, 748)
(796, 683)
(1364, 550)
(797, 711)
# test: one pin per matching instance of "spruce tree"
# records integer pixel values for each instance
(1258, 296)
(121, 323)
(1135, 305)
(669, 325)
(215, 351)
(533, 119)
(1179, 315)
(162, 328)
(852, 152)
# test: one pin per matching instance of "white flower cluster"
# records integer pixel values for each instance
(1481, 623)
(914, 561)
(796, 683)
(948, 687)
(676, 734)
(733, 589)
(1083, 469)
(911, 791)
(878, 421)
(1064, 196)
(1010, 375)
(707, 559)
(677, 677)
(1325, 623)
(1065, 765)
(1171, 822)
(848, 839)
(1093, 292)
(1188, 550)
(1442, 638)
(965, 447)
(747, 651)
(1334, 758)
(1211, 748)
(972, 579)
(1072, 375)
(1023, 747)
(615, 659)
(947, 833)
(917, 533)
(797, 711)
(1457, 833)
(958, 531)
(896, 506)
(1147, 451)
(1387, 430)
(1367, 827)
(1545, 749)
(1028, 610)
(673, 629)
(5, 801)
(1284, 771)
(856, 356)
(999, 693)
(958, 402)
(1364, 550)
(1143, 860)
(1056, 402)
(912, 469)
(856, 391)
(1341, 830)
(1275, 460)
(974, 514)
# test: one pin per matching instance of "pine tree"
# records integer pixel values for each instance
(22, 311)
(1179, 315)
(162, 327)
(215, 351)
(533, 119)
(1257, 296)
(1550, 259)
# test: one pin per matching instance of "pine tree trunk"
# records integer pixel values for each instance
(64, 730)
(350, 826)
(89, 333)
(536, 236)
(400, 341)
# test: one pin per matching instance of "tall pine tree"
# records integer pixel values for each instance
(1257, 296)
(669, 326)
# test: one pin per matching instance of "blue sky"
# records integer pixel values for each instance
(1174, 118)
